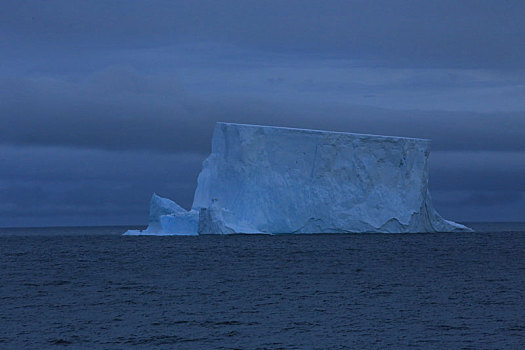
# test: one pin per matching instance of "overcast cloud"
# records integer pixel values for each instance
(104, 102)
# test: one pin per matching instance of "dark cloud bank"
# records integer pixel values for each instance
(103, 103)
(411, 33)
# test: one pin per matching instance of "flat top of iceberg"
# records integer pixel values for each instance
(314, 131)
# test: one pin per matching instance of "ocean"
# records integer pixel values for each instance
(91, 288)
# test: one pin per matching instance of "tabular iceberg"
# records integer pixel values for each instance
(261, 179)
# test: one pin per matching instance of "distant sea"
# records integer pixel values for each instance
(91, 288)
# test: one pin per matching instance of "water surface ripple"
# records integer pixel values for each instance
(256, 292)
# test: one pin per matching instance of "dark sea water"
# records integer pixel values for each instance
(90, 288)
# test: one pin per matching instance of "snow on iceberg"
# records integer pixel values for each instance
(262, 179)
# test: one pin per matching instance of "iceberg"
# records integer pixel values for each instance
(168, 218)
(276, 180)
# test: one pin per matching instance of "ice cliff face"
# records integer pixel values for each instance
(261, 179)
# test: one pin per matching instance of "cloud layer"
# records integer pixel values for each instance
(409, 33)
(123, 109)
(103, 103)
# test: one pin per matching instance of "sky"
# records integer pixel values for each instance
(104, 102)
